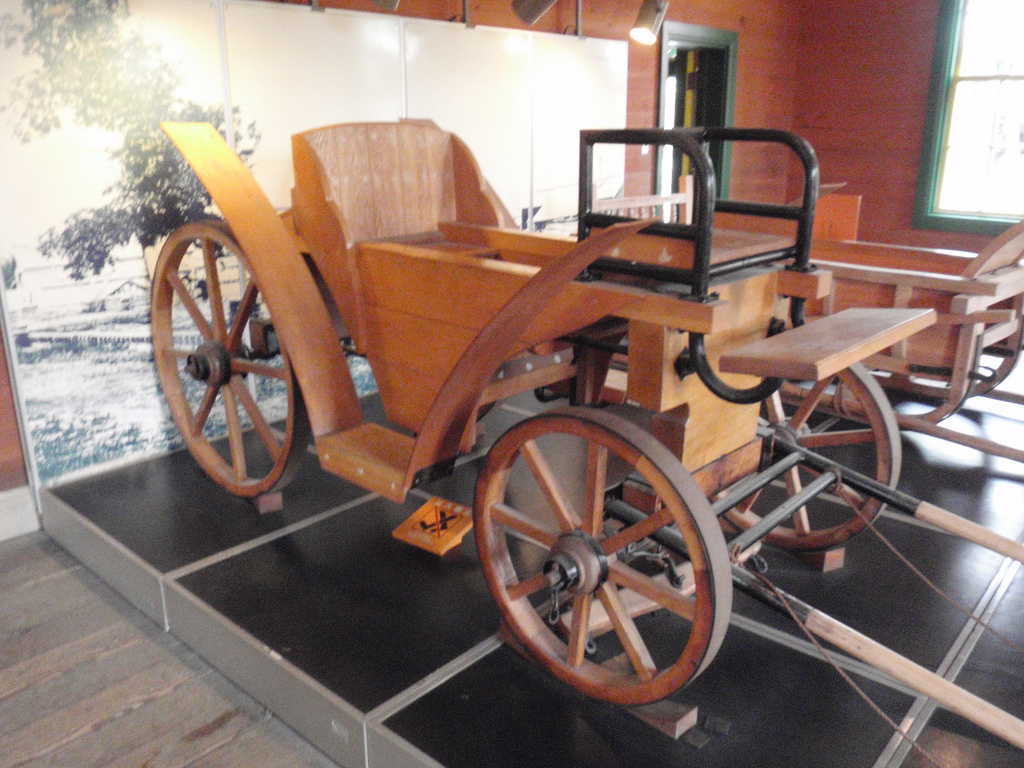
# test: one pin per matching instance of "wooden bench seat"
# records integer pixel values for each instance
(825, 346)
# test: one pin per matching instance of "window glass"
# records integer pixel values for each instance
(982, 166)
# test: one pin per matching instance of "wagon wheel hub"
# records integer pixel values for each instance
(577, 563)
(210, 363)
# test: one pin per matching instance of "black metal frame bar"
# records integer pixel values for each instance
(693, 142)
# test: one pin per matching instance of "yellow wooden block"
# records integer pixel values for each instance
(437, 526)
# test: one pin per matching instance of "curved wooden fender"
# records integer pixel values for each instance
(300, 317)
(446, 420)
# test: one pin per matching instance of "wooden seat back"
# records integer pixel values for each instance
(372, 181)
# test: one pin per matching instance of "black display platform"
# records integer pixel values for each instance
(383, 655)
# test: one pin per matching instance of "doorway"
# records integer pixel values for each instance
(698, 88)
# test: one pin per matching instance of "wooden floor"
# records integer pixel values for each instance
(86, 680)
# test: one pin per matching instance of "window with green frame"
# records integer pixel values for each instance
(972, 170)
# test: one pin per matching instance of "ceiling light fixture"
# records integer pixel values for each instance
(648, 21)
(531, 10)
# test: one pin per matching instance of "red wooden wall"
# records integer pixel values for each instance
(862, 91)
(849, 75)
(765, 82)
(12, 463)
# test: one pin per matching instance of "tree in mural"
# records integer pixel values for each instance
(98, 74)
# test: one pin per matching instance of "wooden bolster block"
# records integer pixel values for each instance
(827, 345)
(805, 285)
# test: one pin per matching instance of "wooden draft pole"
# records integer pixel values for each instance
(971, 531)
(921, 510)
(946, 693)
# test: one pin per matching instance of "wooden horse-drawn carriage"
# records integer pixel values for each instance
(976, 341)
(617, 577)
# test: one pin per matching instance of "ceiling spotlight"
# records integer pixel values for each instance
(531, 10)
(387, 5)
(648, 21)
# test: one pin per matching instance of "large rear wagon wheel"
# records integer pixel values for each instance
(847, 418)
(241, 414)
(630, 621)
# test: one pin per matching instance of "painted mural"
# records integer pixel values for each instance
(90, 187)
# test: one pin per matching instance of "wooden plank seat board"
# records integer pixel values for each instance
(825, 346)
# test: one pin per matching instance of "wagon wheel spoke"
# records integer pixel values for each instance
(629, 635)
(241, 365)
(259, 423)
(213, 290)
(666, 597)
(181, 291)
(578, 629)
(619, 625)
(235, 436)
(515, 520)
(801, 518)
(528, 587)
(637, 532)
(806, 408)
(549, 486)
(597, 481)
(238, 325)
(202, 414)
(777, 415)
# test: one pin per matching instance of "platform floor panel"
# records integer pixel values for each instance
(384, 655)
(161, 509)
(363, 613)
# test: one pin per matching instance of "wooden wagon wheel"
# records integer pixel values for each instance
(633, 622)
(846, 417)
(203, 300)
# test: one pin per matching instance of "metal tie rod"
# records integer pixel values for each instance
(784, 511)
(748, 487)
(904, 502)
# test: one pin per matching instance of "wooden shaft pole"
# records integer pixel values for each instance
(971, 441)
(968, 530)
(946, 693)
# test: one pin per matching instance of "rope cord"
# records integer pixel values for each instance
(842, 673)
(917, 572)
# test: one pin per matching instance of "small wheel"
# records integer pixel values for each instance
(593, 597)
(849, 419)
(204, 304)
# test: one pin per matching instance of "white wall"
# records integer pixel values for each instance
(517, 98)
